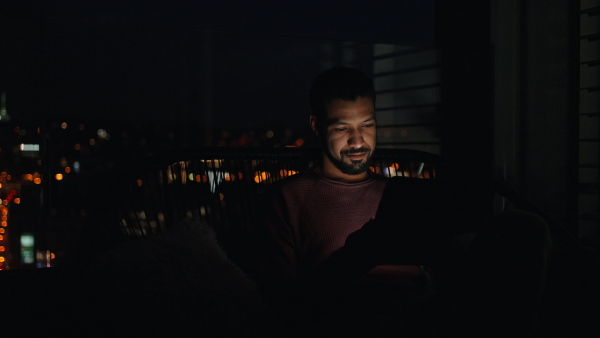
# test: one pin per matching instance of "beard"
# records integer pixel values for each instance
(354, 167)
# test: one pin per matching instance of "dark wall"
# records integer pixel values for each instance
(463, 40)
(114, 59)
(548, 131)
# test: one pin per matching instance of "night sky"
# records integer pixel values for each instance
(249, 63)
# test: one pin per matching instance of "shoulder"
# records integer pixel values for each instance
(380, 178)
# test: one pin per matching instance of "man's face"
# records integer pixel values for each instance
(349, 138)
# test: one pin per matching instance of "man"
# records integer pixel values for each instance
(313, 213)
(317, 210)
(329, 255)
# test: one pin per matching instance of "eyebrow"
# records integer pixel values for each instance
(338, 122)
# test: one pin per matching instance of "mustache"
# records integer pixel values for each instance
(356, 151)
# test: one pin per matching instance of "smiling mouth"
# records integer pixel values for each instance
(357, 151)
(356, 155)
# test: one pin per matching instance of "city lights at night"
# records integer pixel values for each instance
(45, 168)
(331, 168)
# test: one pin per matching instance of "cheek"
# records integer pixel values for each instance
(333, 139)
(335, 146)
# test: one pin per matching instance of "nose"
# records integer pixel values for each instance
(355, 139)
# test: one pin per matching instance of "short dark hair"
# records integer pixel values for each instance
(343, 83)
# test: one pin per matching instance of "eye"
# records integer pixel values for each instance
(368, 125)
(340, 129)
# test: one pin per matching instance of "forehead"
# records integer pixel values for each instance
(346, 111)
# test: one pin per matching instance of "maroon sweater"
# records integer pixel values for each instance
(312, 217)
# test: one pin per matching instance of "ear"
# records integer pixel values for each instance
(313, 124)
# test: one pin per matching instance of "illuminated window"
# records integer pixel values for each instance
(27, 245)
(285, 173)
(261, 176)
(30, 147)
